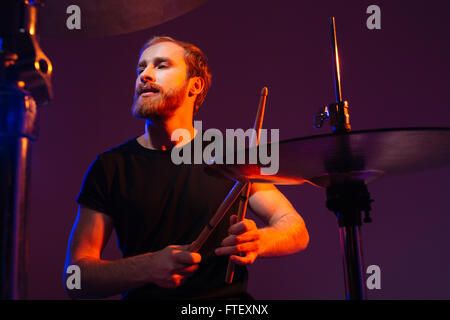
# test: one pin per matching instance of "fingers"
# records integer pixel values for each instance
(232, 239)
(185, 257)
(187, 270)
(241, 247)
(184, 262)
(247, 259)
(173, 265)
(244, 238)
(180, 275)
(245, 225)
(175, 281)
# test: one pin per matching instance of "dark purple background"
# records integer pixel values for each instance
(398, 76)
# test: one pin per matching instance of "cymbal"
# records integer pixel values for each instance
(100, 18)
(365, 155)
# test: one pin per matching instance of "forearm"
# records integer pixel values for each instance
(102, 278)
(285, 236)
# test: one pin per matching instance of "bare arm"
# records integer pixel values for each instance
(101, 278)
(285, 233)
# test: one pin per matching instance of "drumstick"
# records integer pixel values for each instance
(246, 191)
(229, 200)
(212, 224)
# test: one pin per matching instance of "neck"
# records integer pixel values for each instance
(158, 133)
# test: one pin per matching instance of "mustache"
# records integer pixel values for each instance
(153, 87)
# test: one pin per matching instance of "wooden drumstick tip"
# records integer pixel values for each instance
(264, 91)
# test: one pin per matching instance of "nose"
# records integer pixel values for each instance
(148, 75)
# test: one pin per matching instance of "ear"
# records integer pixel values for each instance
(196, 86)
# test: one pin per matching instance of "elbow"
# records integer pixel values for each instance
(72, 281)
(79, 287)
(302, 238)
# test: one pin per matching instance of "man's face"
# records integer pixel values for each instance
(161, 83)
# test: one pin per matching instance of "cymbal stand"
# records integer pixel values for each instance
(24, 87)
(346, 199)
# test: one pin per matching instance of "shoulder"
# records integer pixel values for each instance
(114, 156)
(126, 147)
(120, 150)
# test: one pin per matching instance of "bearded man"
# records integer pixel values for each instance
(158, 208)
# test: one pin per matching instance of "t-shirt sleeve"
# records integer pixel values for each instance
(96, 187)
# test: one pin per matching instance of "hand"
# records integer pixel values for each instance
(173, 265)
(243, 239)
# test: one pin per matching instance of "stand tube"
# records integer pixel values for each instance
(24, 85)
(347, 201)
(336, 65)
(19, 120)
(350, 240)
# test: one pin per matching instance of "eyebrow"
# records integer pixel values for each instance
(156, 61)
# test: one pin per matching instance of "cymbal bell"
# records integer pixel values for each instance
(365, 155)
(101, 18)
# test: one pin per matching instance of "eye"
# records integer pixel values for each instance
(140, 69)
(162, 66)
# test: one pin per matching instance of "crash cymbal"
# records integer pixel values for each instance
(357, 156)
(100, 18)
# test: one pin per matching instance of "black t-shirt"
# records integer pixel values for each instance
(155, 203)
